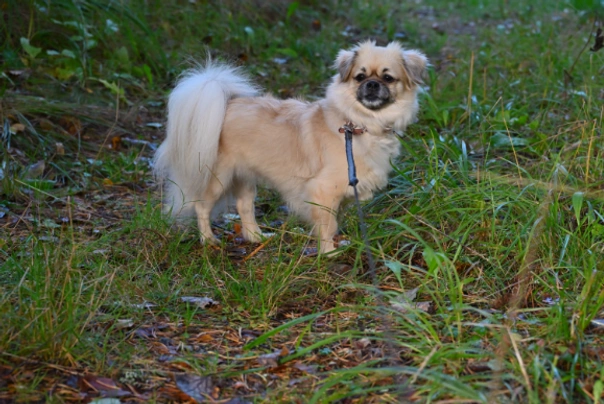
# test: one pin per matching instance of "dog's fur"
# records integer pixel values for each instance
(223, 138)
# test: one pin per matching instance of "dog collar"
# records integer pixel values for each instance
(352, 128)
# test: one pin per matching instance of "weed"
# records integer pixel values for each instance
(488, 238)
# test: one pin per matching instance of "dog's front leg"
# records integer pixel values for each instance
(324, 213)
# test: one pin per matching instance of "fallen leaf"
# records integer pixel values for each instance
(36, 170)
(116, 142)
(124, 323)
(410, 295)
(204, 338)
(406, 297)
(310, 369)
(201, 302)
(45, 124)
(340, 269)
(363, 343)
(60, 148)
(145, 332)
(17, 127)
(480, 366)
(103, 385)
(310, 251)
(236, 251)
(71, 124)
(231, 216)
(196, 387)
(271, 360)
(424, 306)
(145, 305)
(17, 72)
(403, 303)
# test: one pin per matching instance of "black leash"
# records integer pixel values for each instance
(349, 129)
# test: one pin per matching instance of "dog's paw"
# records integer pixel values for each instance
(333, 253)
(209, 240)
(253, 237)
(327, 247)
(334, 249)
(257, 237)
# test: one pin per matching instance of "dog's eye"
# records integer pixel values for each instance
(360, 77)
(388, 78)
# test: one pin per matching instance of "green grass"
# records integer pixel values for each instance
(494, 213)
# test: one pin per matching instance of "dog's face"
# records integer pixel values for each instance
(379, 76)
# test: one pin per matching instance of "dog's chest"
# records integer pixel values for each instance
(373, 162)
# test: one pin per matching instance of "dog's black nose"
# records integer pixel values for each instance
(372, 85)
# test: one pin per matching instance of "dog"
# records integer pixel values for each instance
(224, 137)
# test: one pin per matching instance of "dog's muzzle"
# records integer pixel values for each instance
(373, 94)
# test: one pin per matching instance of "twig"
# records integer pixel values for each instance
(257, 249)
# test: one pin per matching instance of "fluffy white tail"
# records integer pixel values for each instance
(196, 111)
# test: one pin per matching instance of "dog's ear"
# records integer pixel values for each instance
(415, 64)
(344, 63)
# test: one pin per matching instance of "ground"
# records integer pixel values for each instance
(488, 241)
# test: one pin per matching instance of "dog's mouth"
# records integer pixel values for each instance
(373, 95)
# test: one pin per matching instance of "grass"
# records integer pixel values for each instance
(489, 239)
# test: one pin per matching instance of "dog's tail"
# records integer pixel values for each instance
(196, 112)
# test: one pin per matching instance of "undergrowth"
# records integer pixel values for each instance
(489, 238)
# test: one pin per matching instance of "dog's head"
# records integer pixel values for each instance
(378, 76)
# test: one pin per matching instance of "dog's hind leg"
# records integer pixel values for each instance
(203, 207)
(245, 193)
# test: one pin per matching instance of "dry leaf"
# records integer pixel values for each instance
(271, 360)
(17, 127)
(103, 385)
(116, 142)
(196, 387)
(363, 343)
(201, 302)
(45, 124)
(60, 148)
(71, 124)
(36, 170)
(204, 338)
(310, 369)
(124, 323)
(403, 303)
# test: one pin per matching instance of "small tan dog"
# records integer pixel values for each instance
(223, 138)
